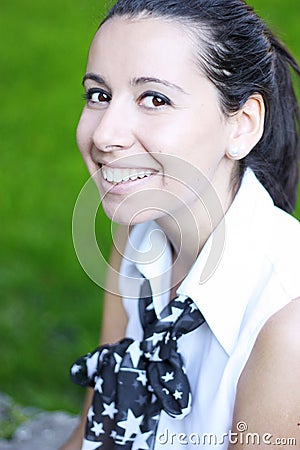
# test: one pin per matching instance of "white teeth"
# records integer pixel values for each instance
(109, 175)
(122, 175)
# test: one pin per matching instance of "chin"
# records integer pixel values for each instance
(131, 216)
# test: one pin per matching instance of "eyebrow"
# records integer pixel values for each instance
(94, 77)
(135, 81)
(144, 80)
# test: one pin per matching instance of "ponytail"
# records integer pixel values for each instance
(275, 158)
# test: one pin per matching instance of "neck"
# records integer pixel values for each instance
(190, 227)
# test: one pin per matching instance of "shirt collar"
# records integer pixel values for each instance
(224, 295)
(147, 255)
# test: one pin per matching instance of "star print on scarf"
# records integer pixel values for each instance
(134, 381)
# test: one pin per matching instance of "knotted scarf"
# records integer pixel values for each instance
(134, 381)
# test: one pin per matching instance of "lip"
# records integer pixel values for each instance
(137, 168)
(115, 165)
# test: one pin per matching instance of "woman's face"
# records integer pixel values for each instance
(151, 128)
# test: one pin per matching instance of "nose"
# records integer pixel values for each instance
(114, 130)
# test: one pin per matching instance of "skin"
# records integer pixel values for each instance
(124, 125)
(168, 133)
(268, 395)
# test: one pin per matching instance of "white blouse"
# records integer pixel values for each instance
(257, 274)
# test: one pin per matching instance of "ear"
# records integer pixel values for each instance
(248, 127)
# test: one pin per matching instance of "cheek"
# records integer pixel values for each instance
(187, 137)
(189, 150)
(84, 138)
(84, 133)
(200, 140)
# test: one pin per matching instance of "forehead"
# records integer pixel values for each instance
(148, 44)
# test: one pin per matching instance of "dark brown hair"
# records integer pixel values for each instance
(241, 57)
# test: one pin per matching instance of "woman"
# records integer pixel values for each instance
(190, 131)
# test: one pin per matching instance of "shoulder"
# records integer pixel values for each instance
(277, 345)
(268, 395)
(277, 348)
(282, 330)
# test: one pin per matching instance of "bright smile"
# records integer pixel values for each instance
(123, 175)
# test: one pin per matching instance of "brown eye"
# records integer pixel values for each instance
(153, 100)
(97, 96)
(157, 101)
(100, 97)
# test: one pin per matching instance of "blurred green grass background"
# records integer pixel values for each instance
(50, 310)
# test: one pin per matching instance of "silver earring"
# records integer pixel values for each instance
(233, 152)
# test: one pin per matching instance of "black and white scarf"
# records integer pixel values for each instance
(134, 381)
